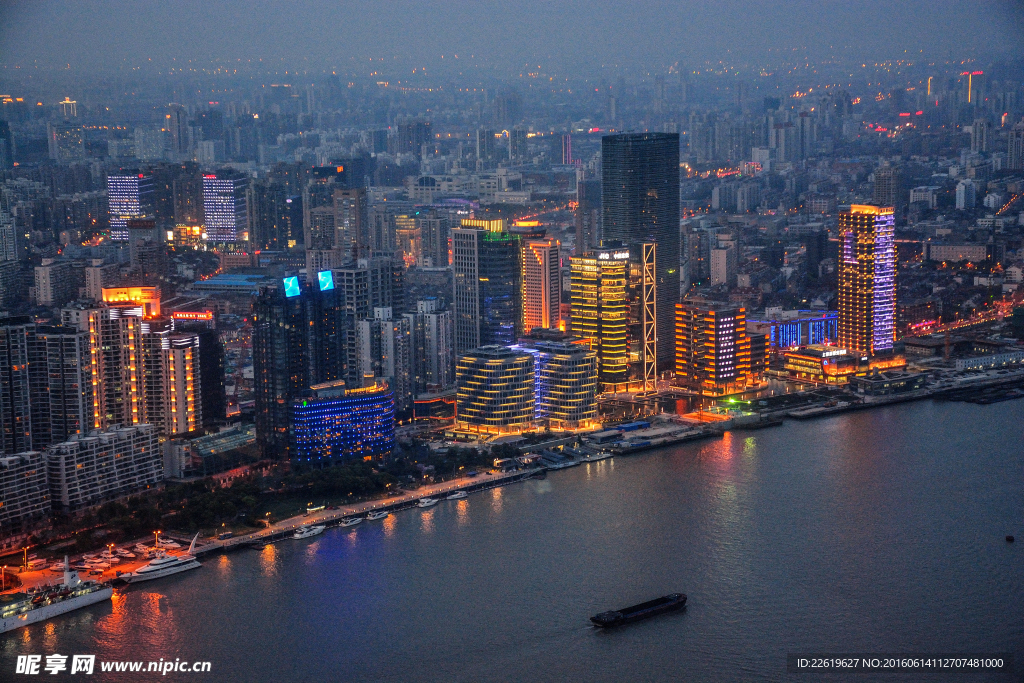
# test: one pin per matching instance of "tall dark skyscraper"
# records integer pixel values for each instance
(640, 203)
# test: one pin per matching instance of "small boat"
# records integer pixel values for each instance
(57, 567)
(351, 521)
(141, 548)
(308, 531)
(457, 495)
(377, 514)
(125, 554)
(89, 556)
(167, 543)
(667, 603)
(426, 502)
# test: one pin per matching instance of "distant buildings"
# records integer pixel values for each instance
(867, 280)
(225, 206)
(888, 186)
(129, 196)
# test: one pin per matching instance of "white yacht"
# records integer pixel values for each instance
(351, 521)
(23, 609)
(457, 495)
(377, 514)
(309, 531)
(124, 552)
(164, 565)
(426, 502)
(168, 543)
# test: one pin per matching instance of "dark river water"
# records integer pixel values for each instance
(879, 531)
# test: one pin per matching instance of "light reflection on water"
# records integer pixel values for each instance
(268, 560)
(462, 512)
(427, 520)
(880, 530)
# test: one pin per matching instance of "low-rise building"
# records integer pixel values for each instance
(887, 383)
(24, 495)
(105, 464)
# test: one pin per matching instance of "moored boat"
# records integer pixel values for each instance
(426, 502)
(72, 594)
(163, 565)
(351, 521)
(377, 514)
(308, 531)
(667, 603)
(457, 495)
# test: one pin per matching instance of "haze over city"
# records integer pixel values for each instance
(480, 341)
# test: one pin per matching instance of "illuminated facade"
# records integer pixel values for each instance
(129, 196)
(334, 424)
(171, 379)
(867, 280)
(713, 349)
(226, 207)
(146, 298)
(115, 355)
(542, 286)
(789, 329)
(495, 390)
(821, 364)
(565, 385)
(600, 310)
(640, 204)
(486, 276)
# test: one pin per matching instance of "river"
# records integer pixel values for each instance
(875, 531)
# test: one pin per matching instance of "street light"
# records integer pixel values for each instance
(156, 536)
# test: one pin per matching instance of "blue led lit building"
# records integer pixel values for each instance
(789, 329)
(334, 424)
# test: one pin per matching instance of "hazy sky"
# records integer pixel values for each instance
(556, 34)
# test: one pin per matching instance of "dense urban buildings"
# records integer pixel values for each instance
(600, 310)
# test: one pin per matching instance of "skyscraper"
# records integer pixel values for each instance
(280, 361)
(600, 310)
(46, 394)
(542, 283)
(486, 276)
(385, 353)
(867, 279)
(129, 196)
(888, 186)
(6, 146)
(640, 204)
(565, 385)
(177, 124)
(226, 207)
(1015, 147)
